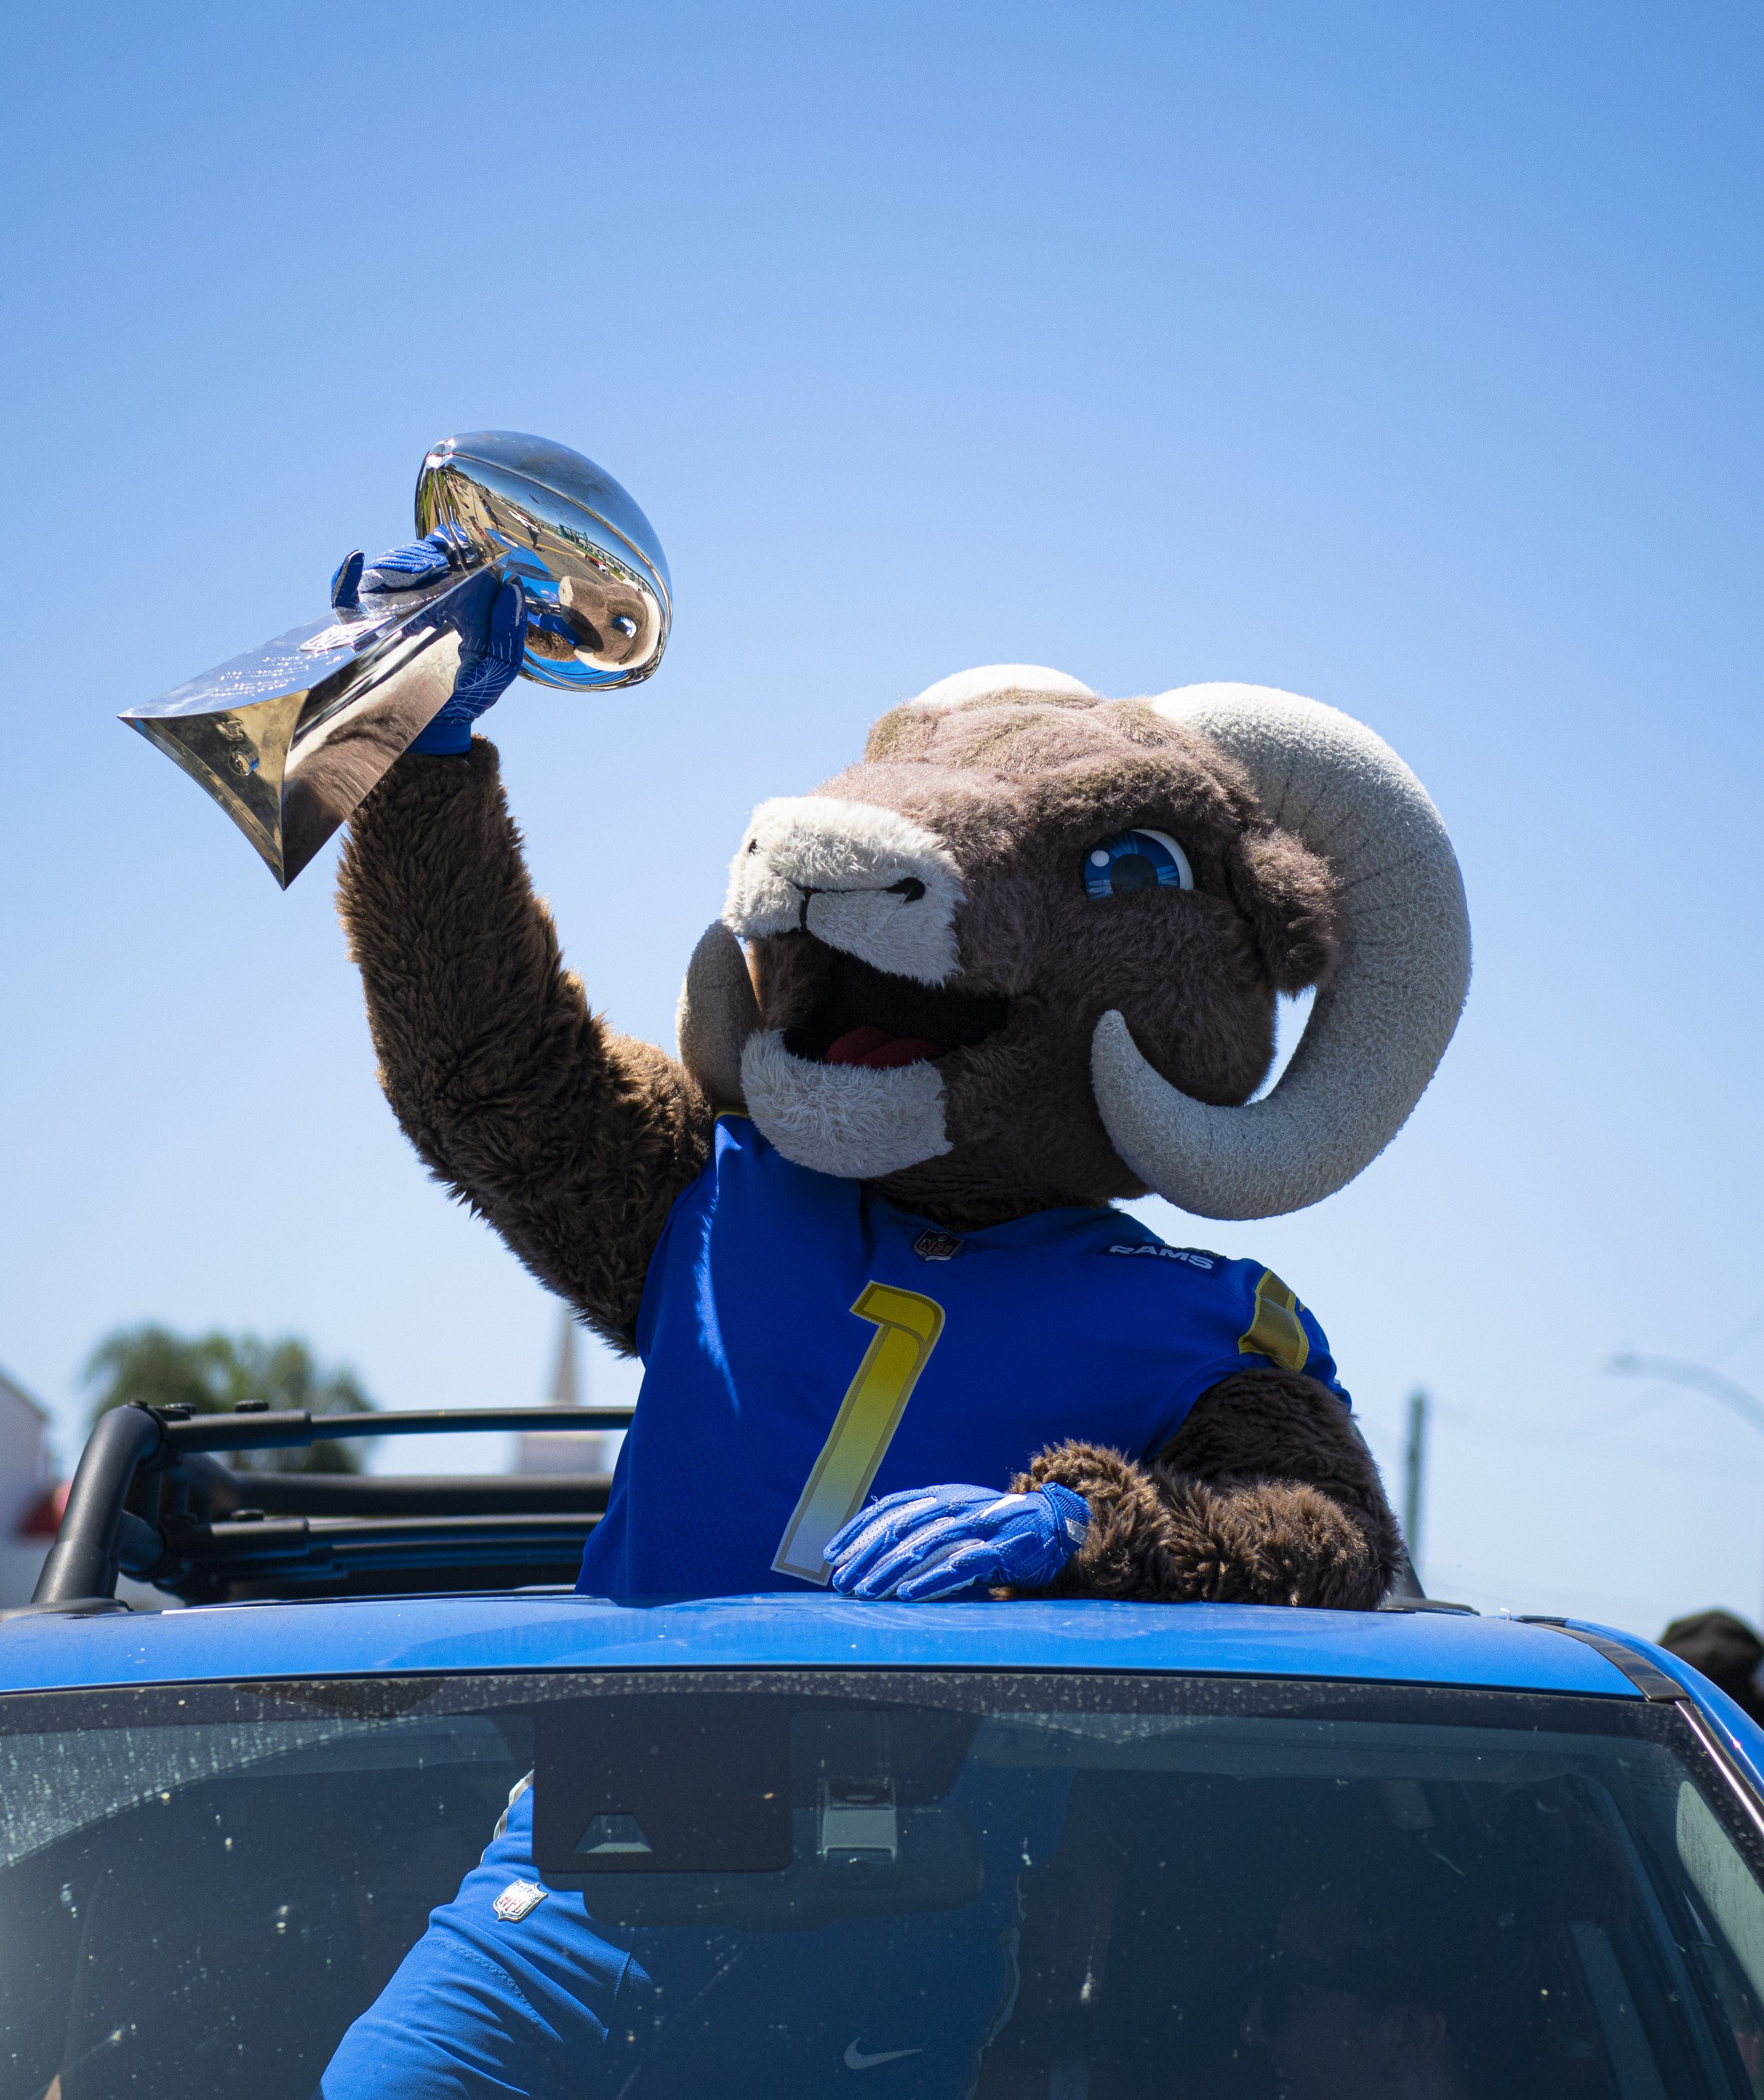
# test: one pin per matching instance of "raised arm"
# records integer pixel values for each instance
(572, 1141)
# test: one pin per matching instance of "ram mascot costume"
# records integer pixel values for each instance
(1017, 963)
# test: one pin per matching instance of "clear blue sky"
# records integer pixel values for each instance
(1404, 355)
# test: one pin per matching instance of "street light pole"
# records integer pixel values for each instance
(1698, 1377)
(1679, 1370)
(1414, 1475)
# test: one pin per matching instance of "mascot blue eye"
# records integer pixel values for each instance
(1135, 860)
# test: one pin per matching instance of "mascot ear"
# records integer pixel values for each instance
(985, 679)
(717, 1013)
(1288, 893)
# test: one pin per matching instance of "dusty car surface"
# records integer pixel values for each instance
(1004, 1848)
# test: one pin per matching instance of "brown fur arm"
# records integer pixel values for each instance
(1265, 1495)
(572, 1141)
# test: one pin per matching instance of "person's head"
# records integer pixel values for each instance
(1376, 1977)
(1341, 2021)
(1727, 1652)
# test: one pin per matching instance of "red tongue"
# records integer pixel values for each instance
(875, 1048)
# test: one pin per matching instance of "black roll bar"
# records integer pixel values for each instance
(81, 1565)
(100, 1533)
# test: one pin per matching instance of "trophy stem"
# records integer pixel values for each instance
(289, 738)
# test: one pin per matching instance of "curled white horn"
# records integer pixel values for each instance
(717, 1013)
(1378, 1028)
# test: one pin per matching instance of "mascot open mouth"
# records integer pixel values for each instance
(873, 1018)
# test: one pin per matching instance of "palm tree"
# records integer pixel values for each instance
(211, 1374)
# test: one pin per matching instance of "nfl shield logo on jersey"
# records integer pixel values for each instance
(516, 1900)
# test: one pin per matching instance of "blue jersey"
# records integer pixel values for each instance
(808, 1345)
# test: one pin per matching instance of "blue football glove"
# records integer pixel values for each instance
(489, 663)
(424, 561)
(932, 1542)
(487, 667)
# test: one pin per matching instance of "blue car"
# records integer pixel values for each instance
(797, 1845)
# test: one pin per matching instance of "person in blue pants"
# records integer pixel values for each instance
(518, 1990)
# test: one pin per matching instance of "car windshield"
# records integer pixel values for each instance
(908, 1883)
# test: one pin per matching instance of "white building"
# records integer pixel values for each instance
(28, 1504)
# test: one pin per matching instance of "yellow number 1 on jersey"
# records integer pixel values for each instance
(906, 1329)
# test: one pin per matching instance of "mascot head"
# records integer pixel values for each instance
(1026, 952)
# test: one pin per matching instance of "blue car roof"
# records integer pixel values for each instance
(398, 1636)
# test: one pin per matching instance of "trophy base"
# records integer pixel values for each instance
(289, 738)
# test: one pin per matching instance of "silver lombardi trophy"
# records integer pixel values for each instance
(288, 738)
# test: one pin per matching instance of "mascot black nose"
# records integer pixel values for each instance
(909, 886)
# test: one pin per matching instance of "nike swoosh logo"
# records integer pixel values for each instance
(856, 2060)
